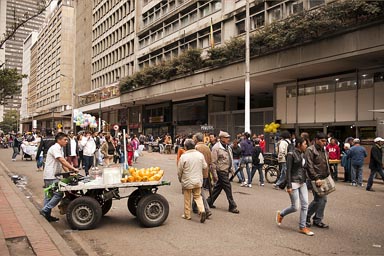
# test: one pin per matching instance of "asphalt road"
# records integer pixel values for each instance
(355, 217)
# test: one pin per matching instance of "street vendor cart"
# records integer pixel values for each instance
(85, 203)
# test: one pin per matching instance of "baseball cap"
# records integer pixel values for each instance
(223, 134)
(378, 139)
(356, 140)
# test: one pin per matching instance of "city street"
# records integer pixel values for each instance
(354, 216)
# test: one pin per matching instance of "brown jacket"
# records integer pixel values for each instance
(316, 162)
(222, 159)
(204, 149)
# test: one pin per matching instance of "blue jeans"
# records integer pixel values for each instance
(372, 176)
(334, 171)
(317, 207)
(88, 163)
(40, 162)
(247, 160)
(283, 169)
(16, 151)
(240, 174)
(301, 194)
(357, 169)
(258, 167)
(50, 203)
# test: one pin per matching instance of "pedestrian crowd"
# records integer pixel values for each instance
(304, 165)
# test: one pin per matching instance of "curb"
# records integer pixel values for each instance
(55, 237)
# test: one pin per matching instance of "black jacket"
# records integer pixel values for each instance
(255, 155)
(376, 160)
(295, 170)
(67, 149)
(45, 144)
(316, 163)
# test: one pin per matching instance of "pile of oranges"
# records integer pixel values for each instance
(143, 175)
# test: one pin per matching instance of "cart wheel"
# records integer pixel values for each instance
(134, 199)
(152, 210)
(271, 174)
(106, 207)
(84, 213)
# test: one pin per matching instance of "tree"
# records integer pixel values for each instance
(9, 82)
(10, 121)
(11, 31)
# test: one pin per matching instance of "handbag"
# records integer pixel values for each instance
(261, 158)
(327, 187)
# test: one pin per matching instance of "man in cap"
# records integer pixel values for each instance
(376, 162)
(357, 154)
(222, 165)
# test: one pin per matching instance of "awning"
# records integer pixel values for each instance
(89, 93)
(377, 110)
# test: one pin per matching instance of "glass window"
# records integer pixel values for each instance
(314, 3)
(257, 21)
(366, 80)
(306, 90)
(216, 5)
(344, 84)
(240, 27)
(204, 10)
(275, 14)
(291, 92)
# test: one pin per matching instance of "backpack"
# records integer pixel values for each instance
(290, 147)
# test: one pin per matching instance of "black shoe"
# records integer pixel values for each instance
(209, 214)
(203, 217)
(49, 218)
(234, 210)
(370, 190)
(320, 225)
(308, 223)
(195, 211)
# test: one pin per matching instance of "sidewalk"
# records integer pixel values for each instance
(19, 218)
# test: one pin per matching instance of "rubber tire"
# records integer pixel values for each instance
(106, 207)
(91, 205)
(271, 174)
(142, 209)
(133, 200)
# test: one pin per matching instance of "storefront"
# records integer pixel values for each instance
(189, 116)
(157, 119)
(339, 103)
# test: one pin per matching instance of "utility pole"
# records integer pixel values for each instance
(247, 110)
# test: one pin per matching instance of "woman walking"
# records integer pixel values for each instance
(108, 150)
(296, 186)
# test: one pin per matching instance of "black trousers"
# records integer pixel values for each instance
(222, 184)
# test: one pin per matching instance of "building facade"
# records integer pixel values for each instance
(215, 96)
(52, 64)
(15, 11)
(27, 45)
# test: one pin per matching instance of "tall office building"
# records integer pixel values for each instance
(16, 10)
(328, 82)
(52, 62)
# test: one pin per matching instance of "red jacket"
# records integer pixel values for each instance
(334, 152)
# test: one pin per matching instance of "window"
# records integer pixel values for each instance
(275, 14)
(344, 84)
(257, 21)
(314, 3)
(291, 92)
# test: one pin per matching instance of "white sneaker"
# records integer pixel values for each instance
(249, 185)
(262, 184)
(244, 184)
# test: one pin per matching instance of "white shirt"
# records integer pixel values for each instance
(89, 146)
(73, 147)
(52, 164)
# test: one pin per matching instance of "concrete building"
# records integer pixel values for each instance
(328, 84)
(52, 63)
(11, 13)
(27, 45)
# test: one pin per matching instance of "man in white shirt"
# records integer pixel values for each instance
(54, 165)
(71, 150)
(89, 149)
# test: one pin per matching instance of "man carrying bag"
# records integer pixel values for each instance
(317, 167)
